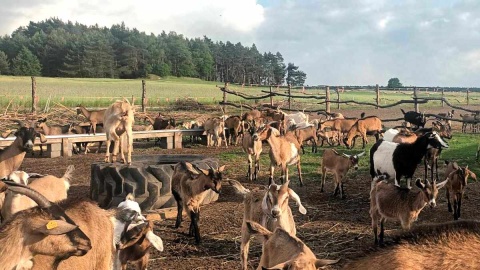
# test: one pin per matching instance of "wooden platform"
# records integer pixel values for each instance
(61, 145)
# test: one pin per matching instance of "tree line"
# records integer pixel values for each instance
(54, 48)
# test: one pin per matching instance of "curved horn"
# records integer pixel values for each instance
(361, 154)
(32, 194)
(348, 156)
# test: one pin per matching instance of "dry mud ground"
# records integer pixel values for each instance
(332, 228)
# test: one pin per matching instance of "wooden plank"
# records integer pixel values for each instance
(162, 214)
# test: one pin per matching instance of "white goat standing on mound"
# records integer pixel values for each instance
(118, 122)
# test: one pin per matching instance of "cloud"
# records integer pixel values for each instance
(351, 42)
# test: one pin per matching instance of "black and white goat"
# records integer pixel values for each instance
(395, 160)
(415, 118)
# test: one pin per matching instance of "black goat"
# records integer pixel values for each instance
(415, 118)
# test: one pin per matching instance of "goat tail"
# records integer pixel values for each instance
(238, 187)
(67, 176)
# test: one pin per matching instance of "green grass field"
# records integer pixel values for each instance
(102, 92)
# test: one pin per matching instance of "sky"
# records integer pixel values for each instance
(335, 42)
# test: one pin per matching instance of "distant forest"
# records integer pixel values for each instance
(53, 48)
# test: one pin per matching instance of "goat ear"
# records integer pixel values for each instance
(419, 183)
(54, 227)
(472, 175)
(280, 266)
(130, 197)
(321, 263)
(206, 172)
(6, 133)
(442, 184)
(190, 168)
(221, 168)
(42, 137)
(255, 228)
(296, 198)
(155, 240)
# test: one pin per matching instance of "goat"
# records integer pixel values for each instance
(368, 125)
(95, 117)
(282, 250)
(339, 165)
(397, 160)
(390, 202)
(330, 136)
(457, 179)
(145, 127)
(135, 245)
(306, 134)
(446, 245)
(252, 148)
(399, 136)
(53, 188)
(215, 130)
(294, 119)
(12, 157)
(252, 115)
(432, 155)
(469, 119)
(234, 126)
(118, 124)
(269, 208)
(283, 151)
(415, 118)
(82, 129)
(43, 128)
(333, 116)
(188, 188)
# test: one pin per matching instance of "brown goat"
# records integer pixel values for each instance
(82, 129)
(253, 148)
(269, 208)
(390, 202)
(45, 129)
(188, 188)
(457, 180)
(215, 130)
(234, 126)
(284, 151)
(282, 250)
(95, 117)
(331, 137)
(136, 243)
(12, 157)
(339, 165)
(371, 125)
(307, 134)
(446, 245)
(118, 124)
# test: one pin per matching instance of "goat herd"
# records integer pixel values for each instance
(78, 234)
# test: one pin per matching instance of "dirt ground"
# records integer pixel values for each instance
(332, 228)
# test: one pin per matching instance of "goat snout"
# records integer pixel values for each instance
(355, 167)
(255, 137)
(275, 212)
(28, 145)
(83, 248)
(432, 203)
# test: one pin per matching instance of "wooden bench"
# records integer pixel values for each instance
(61, 145)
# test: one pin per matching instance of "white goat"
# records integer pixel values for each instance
(118, 121)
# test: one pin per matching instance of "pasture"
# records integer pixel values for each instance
(333, 228)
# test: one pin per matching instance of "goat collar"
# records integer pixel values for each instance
(266, 211)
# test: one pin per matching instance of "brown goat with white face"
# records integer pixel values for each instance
(282, 250)
(269, 208)
(118, 122)
(388, 201)
(457, 180)
(338, 165)
(188, 188)
(12, 157)
(136, 243)
(284, 151)
(446, 245)
(253, 148)
(95, 117)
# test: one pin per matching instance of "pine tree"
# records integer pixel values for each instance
(26, 64)
(4, 66)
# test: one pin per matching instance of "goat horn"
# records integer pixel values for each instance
(361, 154)
(20, 123)
(348, 156)
(32, 194)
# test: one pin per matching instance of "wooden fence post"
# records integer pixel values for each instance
(338, 98)
(415, 98)
(289, 97)
(144, 96)
(443, 96)
(271, 97)
(468, 96)
(34, 95)
(327, 99)
(225, 97)
(377, 91)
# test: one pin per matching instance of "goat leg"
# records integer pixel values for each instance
(272, 171)
(179, 208)
(447, 193)
(257, 168)
(196, 231)
(143, 262)
(244, 248)
(342, 191)
(299, 169)
(382, 230)
(455, 209)
(249, 172)
(459, 204)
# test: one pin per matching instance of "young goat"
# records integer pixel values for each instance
(53, 188)
(12, 157)
(338, 165)
(457, 179)
(189, 185)
(269, 208)
(252, 148)
(397, 160)
(446, 245)
(118, 124)
(95, 117)
(282, 250)
(283, 151)
(215, 130)
(234, 126)
(390, 202)
(136, 243)
(331, 137)
(371, 125)
(307, 134)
